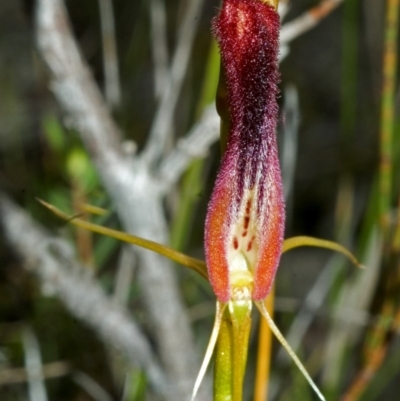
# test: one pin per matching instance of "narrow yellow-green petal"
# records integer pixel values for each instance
(261, 307)
(296, 242)
(195, 264)
(219, 313)
(99, 211)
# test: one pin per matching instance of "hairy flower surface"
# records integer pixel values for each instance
(245, 220)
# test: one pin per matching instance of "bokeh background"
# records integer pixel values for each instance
(345, 322)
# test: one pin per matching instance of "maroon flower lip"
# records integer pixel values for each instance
(245, 220)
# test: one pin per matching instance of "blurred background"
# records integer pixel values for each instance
(336, 151)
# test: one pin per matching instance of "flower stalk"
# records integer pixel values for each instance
(231, 353)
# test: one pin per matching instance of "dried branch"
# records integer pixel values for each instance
(110, 56)
(293, 29)
(194, 145)
(73, 84)
(33, 364)
(283, 8)
(289, 149)
(91, 387)
(135, 193)
(356, 295)
(160, 129)
(376, 351)
(52, 260)
(20, 375)
(124, 276)
(159, 45)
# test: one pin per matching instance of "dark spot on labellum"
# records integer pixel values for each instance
(248, 206)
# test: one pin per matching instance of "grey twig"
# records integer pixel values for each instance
(355, 297)
(289, 148)
(110, 55)
(53, 262)
(283, 8)
(33, 365)
(160, 129)
(91, 387)
(306, 314)
(124, 276)
(159, 46)
(73, 83)
(293, 29)
(312, 303)
(130, 184)
(194, 145)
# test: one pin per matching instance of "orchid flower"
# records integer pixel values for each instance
(244, 227)
(245, 220)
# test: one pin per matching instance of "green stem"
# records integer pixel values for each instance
(231, 352)
(223, 362)
(387, 110)
(241, 325)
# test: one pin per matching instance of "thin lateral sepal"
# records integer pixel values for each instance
(195, 264)
(220, 309)
(296, 242)
(261, 307)
(91, 209)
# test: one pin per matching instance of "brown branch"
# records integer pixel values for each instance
(365, 376)
(307, 20)
(49, 371)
